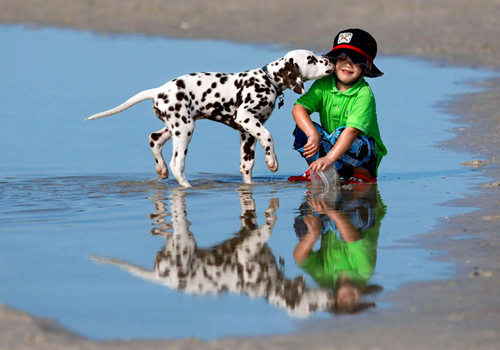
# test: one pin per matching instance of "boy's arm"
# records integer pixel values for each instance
(306, 244)
(304, 122)
(344, 142)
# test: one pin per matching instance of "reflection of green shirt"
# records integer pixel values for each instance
(336, 257)
(355, 108)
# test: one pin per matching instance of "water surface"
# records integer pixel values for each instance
(75, 194)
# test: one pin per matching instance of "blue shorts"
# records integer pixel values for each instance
(361, 154)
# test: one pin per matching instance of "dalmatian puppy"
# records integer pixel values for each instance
(244, 101)
(242, 265)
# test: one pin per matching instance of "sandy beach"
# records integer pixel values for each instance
(458, 313)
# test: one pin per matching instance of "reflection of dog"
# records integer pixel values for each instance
(243, 101)
(244, 264)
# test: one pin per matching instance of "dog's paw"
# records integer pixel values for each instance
(272, 164)
(162, 172)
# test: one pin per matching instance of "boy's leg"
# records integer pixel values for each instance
(299, 143)
(301, 140)
(360, 155)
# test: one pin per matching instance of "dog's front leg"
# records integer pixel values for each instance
(255, 128)
(156, 142)
(247, 156)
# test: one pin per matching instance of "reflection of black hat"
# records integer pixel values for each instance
(361, 48)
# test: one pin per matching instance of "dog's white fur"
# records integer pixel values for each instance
(243, 101)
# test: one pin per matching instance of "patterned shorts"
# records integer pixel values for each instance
(361, 154)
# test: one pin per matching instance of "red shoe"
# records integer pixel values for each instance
(358, 178)
(304, 177)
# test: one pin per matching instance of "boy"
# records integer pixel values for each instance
(349, 137)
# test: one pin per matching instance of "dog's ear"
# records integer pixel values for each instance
(291, 77)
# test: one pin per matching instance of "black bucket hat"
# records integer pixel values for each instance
(361, 48)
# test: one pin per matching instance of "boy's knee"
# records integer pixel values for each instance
(300, 138)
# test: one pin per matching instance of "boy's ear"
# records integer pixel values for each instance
(292, 78)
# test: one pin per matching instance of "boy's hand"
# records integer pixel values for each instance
(312, 146)
(321, 164)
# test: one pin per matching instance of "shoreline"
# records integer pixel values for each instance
(462, 312)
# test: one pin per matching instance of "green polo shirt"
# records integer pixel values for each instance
(355, 108)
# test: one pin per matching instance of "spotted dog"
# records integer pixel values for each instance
(244, 101)
(242, 265)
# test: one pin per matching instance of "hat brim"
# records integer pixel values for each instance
(371, 70)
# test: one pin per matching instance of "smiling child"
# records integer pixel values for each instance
(348, 137)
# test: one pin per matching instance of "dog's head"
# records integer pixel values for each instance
(299, 66)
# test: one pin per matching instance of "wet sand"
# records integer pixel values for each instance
(458, 313)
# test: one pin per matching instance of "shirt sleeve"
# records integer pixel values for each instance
(312, 98)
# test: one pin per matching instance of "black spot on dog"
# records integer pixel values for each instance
(312, 60)
(180, 96)
(180, 84)
(238, 84)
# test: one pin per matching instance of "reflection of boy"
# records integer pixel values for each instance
(348, 137)
(347, 255)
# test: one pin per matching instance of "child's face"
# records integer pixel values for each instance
(347, 72)
(348, 296)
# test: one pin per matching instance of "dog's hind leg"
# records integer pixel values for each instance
(181, 137)
(156, 142)
(247, 156)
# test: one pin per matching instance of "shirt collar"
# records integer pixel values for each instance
(353, 90)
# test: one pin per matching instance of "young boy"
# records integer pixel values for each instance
(349, 137)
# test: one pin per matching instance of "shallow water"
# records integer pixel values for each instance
(83, 218)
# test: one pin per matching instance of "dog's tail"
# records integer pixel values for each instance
(141, 96)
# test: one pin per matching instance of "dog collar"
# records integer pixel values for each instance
(279, 90)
